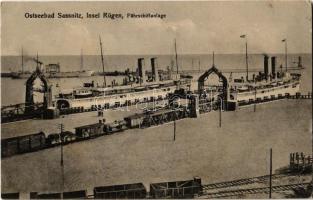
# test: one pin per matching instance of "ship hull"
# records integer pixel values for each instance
(267, 93)
(101, 102)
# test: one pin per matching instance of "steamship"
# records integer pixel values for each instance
(136, 89)
(267, 85)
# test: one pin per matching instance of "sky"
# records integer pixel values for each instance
(199, 28)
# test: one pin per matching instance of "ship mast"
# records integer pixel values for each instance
(104, 82)
(81, 60)
(199, 66)
(22, 61)
(286, 63)
(192, 63)
(176, 58)
(247, 65)
(37, 63)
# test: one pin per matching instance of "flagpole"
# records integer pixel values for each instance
(286, 58)
(199, 66)
(286, 55)
(176, 58)
(247, 76)
(102, 62)
(22, 61)
(247, 66)
(271, 157)
(81, 60)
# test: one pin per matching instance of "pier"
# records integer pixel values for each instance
(152, 139)
(19, 112)
(141, 120)
(301, 96)
(299, 162)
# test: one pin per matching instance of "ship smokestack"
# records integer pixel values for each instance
(141, 70)
(273, 61)
(266, 65)
(299, 62)
(155, 74)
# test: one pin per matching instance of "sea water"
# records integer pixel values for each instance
(13, 90)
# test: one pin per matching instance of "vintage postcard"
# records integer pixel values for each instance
(156, 99)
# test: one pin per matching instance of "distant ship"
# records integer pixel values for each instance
(53, 71)
(75, 74)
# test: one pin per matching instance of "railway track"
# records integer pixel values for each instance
(277, 188)
(238, 182)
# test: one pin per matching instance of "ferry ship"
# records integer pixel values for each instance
(136, 89)
(265, 86)
(262, 91)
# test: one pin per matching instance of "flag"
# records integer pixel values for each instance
(243, 36)
(284, 40)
